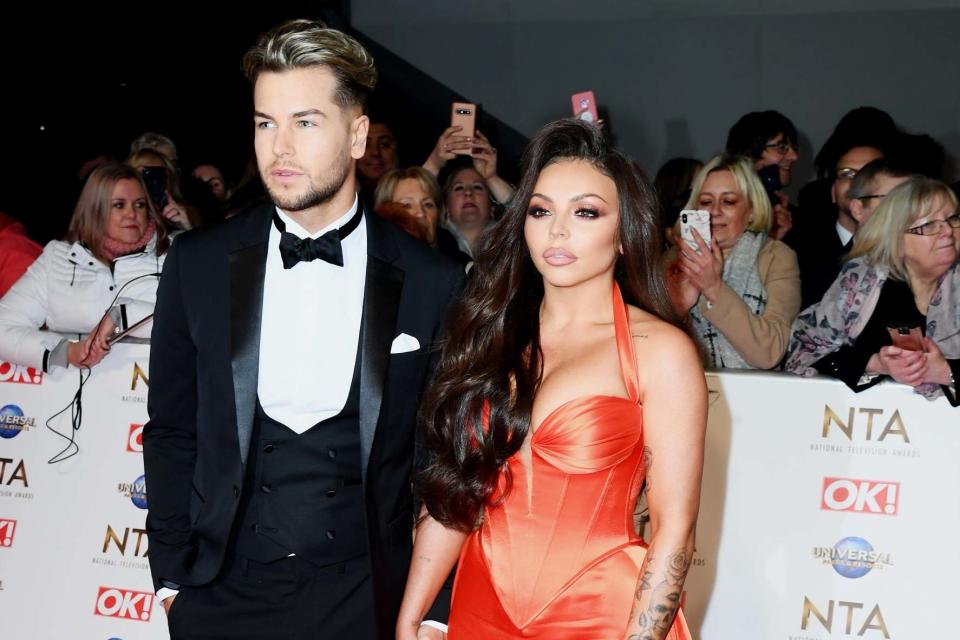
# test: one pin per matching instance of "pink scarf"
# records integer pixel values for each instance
(113, 249)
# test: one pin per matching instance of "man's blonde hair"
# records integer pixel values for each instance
(300, 44)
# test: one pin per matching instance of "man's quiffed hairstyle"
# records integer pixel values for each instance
(300, 44)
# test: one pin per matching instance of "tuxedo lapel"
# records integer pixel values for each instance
(248, 261)
(381, 302)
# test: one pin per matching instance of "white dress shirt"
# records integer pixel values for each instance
(310, 331)
(310, 328)
(844, 234)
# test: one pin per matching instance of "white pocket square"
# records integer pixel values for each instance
(404, 343)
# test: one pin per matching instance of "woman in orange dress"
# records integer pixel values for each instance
(565, 383)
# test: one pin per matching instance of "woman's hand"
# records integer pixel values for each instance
(703, 267)
(938, 369)
(903, 365)
(77, 352)
(683, 293)
(176, 213)
(84, 354)
(782, 218)
(91, 350)
(448, 142)
(484, 157)
(102, 333)
(485, 162)
(97, 345)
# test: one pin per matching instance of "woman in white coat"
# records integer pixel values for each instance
(101, 280)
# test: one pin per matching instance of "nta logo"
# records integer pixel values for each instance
(138, 374)
(852, 625)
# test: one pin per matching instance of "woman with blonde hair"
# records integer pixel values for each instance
(412, 198)
(742, 289)
(902, 278)
(102, 278)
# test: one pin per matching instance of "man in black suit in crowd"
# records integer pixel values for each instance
(290, 348)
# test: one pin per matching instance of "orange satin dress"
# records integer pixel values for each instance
(560, 558)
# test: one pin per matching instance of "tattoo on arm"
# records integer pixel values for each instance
(645, 580)
(648, 464)
(654, 621)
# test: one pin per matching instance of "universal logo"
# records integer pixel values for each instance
(136, 491)
(852, 557)
(13, 421)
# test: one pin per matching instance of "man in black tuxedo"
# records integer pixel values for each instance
(290, 348)
(828, 236)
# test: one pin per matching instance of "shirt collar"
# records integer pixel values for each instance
(843, 233)
(300, 232)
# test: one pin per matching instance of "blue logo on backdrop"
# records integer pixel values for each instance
(138, 492)
(853, 557)
(12, 421)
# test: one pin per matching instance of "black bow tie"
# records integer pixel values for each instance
(327, 247)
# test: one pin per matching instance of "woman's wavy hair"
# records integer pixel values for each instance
(89, 222)
(476, 413)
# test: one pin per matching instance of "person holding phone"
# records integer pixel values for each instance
(769, 139)
(163, 188)
(894, 310)
(469, 207)
(101, 280)
(453, 143)
(741, 288)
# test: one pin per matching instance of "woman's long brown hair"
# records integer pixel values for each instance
(492, 355)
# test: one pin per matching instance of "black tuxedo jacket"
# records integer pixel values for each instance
(819, 255)
(203, 389)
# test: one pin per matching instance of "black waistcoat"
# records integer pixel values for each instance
(303, 493)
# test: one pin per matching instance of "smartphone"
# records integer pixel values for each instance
(691, 219)
(584, 106)
(906, 336)
(464, 115)
(117, 337)
(155, 178)
(770, 177)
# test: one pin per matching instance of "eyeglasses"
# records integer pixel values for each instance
(781, 147)
(934, 227)
(871, 197)
(847, 173)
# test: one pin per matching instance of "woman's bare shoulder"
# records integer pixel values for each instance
(656, 339)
